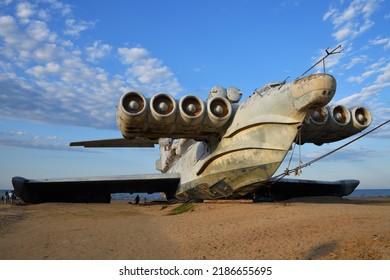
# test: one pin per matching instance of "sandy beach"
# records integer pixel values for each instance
(306, 228)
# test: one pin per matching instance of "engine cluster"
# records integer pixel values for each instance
(330, 124)
(164, 117)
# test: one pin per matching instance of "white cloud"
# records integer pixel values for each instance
(345, 16)
(385, 76)
(64, 9)
(378, 63)
(347, 154)
(355, 61)
(353, 20)
(343, 32)
(21, 43)
(329, 14)
(364, 27)
(368, 66)
(361, 78)
(5, 2)
(97, 51)
(49, 77)
(29, 140)
(381, 41)
(148, 70)
(8, 29)
(48, 52)
(74, 28)
(24, 10)
(372, 95)
(330, 61)
(38, 31)
(19, 132)
(147, 73)
(42, 71)
(132, 55)
(364, 95)
(369, 7)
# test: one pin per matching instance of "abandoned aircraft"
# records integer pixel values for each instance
(218, 148)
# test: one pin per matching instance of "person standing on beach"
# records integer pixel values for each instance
(137, 199)
(11, 196)
(6, 197)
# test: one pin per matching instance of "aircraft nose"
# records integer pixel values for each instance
(314, 91)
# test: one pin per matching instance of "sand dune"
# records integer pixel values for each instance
(309, 228)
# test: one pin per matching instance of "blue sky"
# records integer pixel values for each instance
(64, 66)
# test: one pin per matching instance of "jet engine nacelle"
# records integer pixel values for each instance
(330, 124)
(192, 109)
(361, 118)
(163, 108)
(219, 111)
(132, 111)
(164, 117)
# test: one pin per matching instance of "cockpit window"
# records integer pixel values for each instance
(267, 87)
(276, 84)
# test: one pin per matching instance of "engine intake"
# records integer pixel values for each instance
(361, 117)
(133, 103)
(340, 115)
(219, 111)
(319, 117)
(163, 108)
(191, 109)
(132, 111)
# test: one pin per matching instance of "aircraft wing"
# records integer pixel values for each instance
(281, 189)
(117, 143)
(93, 189)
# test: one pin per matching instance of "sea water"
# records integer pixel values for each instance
(370, 193)
(142, 196)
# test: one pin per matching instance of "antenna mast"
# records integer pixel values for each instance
(328, 53)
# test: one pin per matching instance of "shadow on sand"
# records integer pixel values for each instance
(322, 251)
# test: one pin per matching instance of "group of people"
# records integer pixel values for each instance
(8, 196)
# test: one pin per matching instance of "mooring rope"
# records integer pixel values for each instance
(301, 166)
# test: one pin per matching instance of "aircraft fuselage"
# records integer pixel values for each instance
(254, 143)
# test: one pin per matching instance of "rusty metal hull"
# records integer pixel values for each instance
(254, 143)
